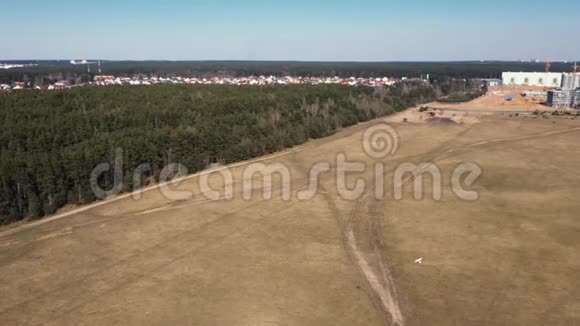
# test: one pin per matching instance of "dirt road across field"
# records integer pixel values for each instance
(510, 257)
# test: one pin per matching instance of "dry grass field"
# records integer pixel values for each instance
(510, 258)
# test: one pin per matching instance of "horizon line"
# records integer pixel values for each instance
(299, 61)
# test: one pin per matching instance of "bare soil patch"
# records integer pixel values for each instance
(496, 99)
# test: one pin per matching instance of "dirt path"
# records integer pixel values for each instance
(320, 262)
(383, 286)
(382, 283)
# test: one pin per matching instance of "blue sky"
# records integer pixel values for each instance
(339, 30)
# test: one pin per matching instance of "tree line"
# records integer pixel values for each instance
(51, 141)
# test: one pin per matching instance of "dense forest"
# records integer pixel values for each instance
(50, 141)
(50, 71)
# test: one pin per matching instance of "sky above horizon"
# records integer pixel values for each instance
(339, 30)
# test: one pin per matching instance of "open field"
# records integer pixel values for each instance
(509, 258)
(496, 99)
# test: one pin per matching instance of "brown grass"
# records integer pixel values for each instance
(510, 258)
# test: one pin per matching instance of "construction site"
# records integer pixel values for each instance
(557, 90)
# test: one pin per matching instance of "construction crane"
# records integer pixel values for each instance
(548, 66)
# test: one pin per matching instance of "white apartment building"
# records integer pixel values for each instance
(547, 79)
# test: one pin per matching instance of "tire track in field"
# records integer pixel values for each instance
(383, 285)
(350, 240)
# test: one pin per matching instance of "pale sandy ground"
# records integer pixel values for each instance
(496, 99)
(510, 258)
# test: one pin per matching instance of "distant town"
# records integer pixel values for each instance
(103, 80)
(558, 90)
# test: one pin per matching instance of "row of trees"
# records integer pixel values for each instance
(463, 91)
(51, 141)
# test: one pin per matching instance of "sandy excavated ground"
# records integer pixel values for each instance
(510, 258)
(432, 117)
(496, 99)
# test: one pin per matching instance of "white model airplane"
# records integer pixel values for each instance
(419, 261)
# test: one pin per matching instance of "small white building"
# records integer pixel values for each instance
(494, 82)
(491, 81)
(547, 79)
(534, 94)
